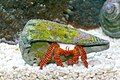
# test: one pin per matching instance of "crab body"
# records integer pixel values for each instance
(39, 43)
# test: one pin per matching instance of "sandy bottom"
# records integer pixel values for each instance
(104, 65)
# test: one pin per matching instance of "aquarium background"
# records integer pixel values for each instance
(15, 13)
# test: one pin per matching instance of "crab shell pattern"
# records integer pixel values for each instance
(37, 34)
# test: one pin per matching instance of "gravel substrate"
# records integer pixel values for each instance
(104, 65)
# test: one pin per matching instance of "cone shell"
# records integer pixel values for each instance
(37, 33)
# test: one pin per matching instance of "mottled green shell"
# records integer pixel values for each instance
(37, 33)
(42, 30)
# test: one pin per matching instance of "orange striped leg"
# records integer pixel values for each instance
(83, 55)
(48, 55)
(57, 58)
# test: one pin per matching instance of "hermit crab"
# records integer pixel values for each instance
(40, 43)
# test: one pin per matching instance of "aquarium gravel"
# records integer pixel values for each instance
(104, 65)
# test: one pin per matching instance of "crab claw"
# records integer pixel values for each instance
(76, 52)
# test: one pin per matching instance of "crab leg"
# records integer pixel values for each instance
(57, 58)
(55, 50)
(83, 55)
(48, 55)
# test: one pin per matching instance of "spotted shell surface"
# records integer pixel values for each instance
(36, 35)
(110, 18)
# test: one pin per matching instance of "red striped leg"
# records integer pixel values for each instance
(48, 55)
(57, 57)
(83, 55)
